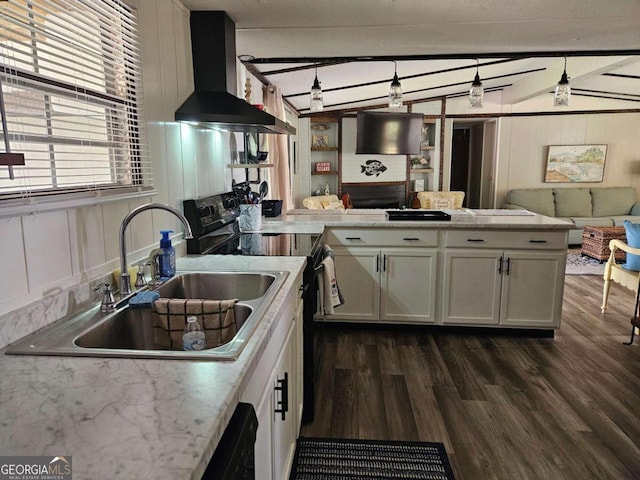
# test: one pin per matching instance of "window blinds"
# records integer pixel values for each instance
(70, 72)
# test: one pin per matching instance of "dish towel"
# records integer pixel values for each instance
(330, 294)
(216, 317)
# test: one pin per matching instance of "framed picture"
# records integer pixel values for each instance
(575, 163)
(319, 140)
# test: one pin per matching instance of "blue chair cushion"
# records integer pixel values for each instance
(633, 240)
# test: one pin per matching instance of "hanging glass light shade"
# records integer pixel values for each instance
(315, 104)
(476, 92)
(563, 89)
(395, 90)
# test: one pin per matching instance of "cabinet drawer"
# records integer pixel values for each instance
(385, 237)
(502, 239)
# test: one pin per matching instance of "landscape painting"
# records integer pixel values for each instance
(575, 163)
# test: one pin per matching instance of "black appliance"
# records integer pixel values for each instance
(213, 47)
(234, 457)
(420, 215)
(215, 231)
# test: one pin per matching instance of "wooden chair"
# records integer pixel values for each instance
(627, 278)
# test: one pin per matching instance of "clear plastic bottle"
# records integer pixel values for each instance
(193, 338)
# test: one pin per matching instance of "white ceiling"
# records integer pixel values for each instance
(284, 34)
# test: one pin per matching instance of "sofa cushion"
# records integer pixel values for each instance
(572, 202)
(538, 200)
(594, 222)
(618, 220)
(612, 200)
(632, 231)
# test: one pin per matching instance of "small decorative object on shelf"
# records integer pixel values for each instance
(319, 140)
(322, 166)
(418, 185)
(425, 136)
(327, 191)
(419, 162)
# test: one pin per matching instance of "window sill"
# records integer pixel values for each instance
(64, 201)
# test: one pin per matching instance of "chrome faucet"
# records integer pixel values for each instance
(125, 280)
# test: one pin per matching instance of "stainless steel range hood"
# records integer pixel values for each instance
(213, 45)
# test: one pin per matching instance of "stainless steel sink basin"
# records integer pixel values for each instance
(134, 329)
(217, 286)
(129, 332)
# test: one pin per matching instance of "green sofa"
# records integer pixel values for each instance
(598, 206)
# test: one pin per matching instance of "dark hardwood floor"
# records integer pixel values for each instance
(505, 407)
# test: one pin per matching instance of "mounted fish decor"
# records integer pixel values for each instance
(373, 167)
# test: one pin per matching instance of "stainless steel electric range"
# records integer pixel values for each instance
(213, 220)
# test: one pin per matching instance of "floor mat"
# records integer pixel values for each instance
(579, 265)
(337, 458)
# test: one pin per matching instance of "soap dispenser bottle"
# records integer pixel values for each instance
(167, 255)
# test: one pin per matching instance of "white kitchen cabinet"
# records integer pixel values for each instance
(276, 384)
(284, 431)
(358, 279)
(532, 290)
(385, 274)
(386, 285)
(511, 288)
(471, 287)
(408, 285)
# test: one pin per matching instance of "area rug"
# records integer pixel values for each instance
(579, 265)
(344, 459)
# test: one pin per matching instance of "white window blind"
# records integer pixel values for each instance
(70, 73)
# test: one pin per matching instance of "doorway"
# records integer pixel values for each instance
(473, 160)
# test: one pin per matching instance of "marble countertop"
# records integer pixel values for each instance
(133, 418)
(460, 219)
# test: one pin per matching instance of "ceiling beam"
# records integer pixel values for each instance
(459, 56)
(577, 68)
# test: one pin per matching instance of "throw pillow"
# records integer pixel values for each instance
(633, 240)
(572, 202)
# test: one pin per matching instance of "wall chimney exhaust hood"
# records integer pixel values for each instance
(214, 101)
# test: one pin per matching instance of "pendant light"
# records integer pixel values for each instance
(563, 90)
(316, 104)
(395, 90)
(476, 92)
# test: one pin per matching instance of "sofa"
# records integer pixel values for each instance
(597, 206)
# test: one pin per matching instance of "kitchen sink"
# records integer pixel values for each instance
(133, 328)
(217, 286)
(129, 332)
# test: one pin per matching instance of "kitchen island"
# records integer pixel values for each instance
(479, 268)
(162, 419)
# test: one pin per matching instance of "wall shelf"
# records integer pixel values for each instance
(332, 172)
(250, 165)
(421, 170)
(324, 149)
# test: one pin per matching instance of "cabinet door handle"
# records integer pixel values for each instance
(537, 241)
(377, 263)
(507, 266)
(475, 240)
(384, 263)
(411, 239)
(353, 238)
(282, 404)
(500, 266)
